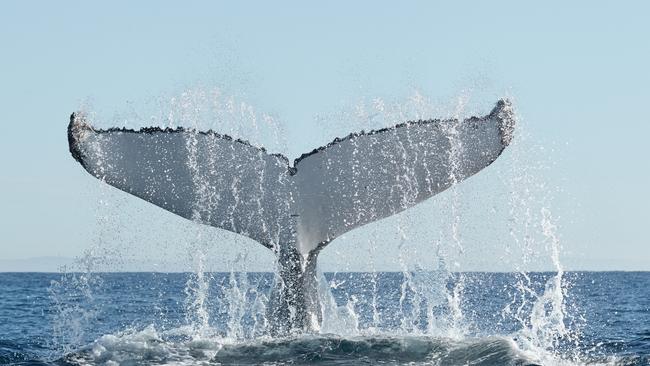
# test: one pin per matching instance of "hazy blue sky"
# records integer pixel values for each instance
(578, 73)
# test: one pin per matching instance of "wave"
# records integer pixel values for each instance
(182, 346)
(148, 347)
(335, 350)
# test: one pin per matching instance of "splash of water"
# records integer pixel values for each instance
(430, 303)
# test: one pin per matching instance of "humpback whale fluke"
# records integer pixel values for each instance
(294, 210)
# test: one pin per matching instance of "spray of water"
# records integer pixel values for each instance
(430, 301)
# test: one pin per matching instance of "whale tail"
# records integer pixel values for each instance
(294, 210)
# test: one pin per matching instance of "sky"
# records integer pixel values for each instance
(577, 73)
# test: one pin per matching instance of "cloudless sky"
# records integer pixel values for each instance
(577, 71)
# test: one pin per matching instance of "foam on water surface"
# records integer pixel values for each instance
(149, 347)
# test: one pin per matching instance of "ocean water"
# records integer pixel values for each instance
(420, 318)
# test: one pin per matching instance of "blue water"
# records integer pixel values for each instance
(384, 318)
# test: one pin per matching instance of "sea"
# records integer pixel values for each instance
(381, 318)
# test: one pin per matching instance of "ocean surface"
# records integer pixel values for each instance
(427, 318)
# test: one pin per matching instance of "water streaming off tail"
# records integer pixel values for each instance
(428, 250)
